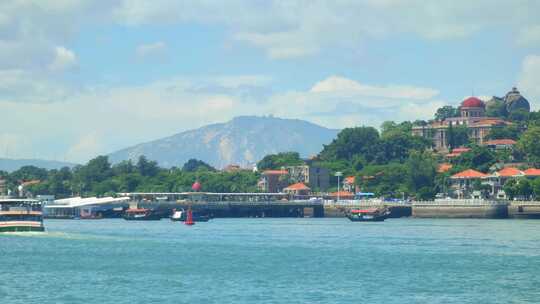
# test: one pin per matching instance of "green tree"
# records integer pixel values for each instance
(457, 136)
(496, 108)
(194, 165)
(504, 132)
(421, 171)
(350, 142)
(147, 167)
(524, 188)
(276, 161)
(535, 186)
(446, 112)
(479, 158)
(510, 188)
(529, 144)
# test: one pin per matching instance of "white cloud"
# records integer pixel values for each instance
(156, 49)
(101, 120)
(529, 79)
(63, 60)
(529, 35)
(337, 84)
(13, 145)
(19, 85)
(88, 146)
(285, 29)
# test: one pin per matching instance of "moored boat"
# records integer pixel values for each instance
(182, 215)
(141, 214)
(20, 215)
(368, 215)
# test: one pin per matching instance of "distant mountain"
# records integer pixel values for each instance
(244, 140)
(11, 165)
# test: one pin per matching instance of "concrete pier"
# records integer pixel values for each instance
(524, 210)
(460, 209)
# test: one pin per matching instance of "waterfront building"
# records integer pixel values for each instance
(500, 144)
(462, 183)
(76, 207)
(349, 184)
(472, 114)
(297, 189)
(316, 177)
(272, 181)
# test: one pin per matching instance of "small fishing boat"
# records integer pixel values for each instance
(141, 214)
(180, 216)
(368, 215)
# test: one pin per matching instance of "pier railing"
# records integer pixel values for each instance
(459, 202)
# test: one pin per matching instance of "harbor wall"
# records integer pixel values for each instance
(524, 210)
(340, 210)
(460, 209)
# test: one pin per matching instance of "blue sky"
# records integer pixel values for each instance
(81, 78)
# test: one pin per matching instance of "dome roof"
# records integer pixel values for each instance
(514, 101)
(472, 102)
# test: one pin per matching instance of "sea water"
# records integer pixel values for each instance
(273, 261)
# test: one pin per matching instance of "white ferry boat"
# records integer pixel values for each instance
(18, 214)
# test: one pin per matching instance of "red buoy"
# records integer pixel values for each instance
(196, 186)
(189, 219)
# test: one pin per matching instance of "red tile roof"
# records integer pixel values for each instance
(509, 172)
(275, 172)
(444, 167)
(497, 142)
(473, 102)
(470, 173)
(532, 172)
(297, 186)
(349, 180)
(31, 182)
(460, 150)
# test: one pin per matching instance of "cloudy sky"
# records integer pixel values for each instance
(79, 78)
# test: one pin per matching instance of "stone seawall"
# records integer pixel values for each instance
(338, 210)
(524, 210)
(460, 209)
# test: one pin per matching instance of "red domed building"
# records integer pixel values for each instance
(472, 115)
(472, 107)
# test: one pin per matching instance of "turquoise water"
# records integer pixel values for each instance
(274, 261)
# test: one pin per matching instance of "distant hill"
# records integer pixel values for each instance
(243, 140)
(10, 165)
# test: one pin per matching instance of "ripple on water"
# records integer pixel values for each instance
(273, 261)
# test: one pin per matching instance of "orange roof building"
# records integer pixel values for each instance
(509, 172)
(532, 172)
(469, 174)
(500, 142)
(472, 116)
(297, 189)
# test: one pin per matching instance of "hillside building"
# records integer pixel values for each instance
(472, 114)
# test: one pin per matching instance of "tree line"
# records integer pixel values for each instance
(390, 162)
